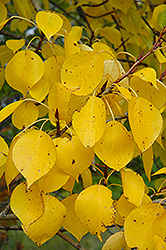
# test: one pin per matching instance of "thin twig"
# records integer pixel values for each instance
(11, 228)
(70, 241)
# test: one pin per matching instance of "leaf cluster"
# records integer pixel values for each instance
(99, 82)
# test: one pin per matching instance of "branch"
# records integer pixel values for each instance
(70, 241)
(4, 215)
(95, 5)
(11, 228)
(36, 5)
(139, 60)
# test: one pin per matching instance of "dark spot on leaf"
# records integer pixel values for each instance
(48, 154)
(73, 161)
(134, 220)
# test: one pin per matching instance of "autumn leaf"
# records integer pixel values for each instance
(34, 155)
(95, 200)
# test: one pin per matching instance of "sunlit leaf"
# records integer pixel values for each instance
(2, 78)
(72, 157)
(24, 70)
(82, 72)
(25, 114)
(59, 97)
(115, 242)
(14, 44)
(116, 147)
(133, 186)
(92, 201)
(147, 74)
(142, 223)
(49, 23)
(34, 155)
(27, 204)
(9, 109)
(53, 180)
(89, 123)
(71, 39)
(145, 122)
(161, 171)
(148, 161)
(72, 224)
(5, 55)
(10, 169)
(86, 177)
(69, 185)
(49, 223)
(107, 52)
(159, 242)
(124, 91)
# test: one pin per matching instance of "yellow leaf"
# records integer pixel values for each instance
(49, 23)
(24, 70)
(89, 123)
(15, 44)
(115, 242)
(50, 49)
(71, 39)
(82, 72)
(114, 70)
(53, 180)
(72, 224)
(161, 58)
(116, 147)
(3, 12)
(145, 122)
(27, 204)
(122, 5)
(94, 208)
(133, 186)
(146, 74)
(9, 109)
(161, 171)
(124, 207)
(148, 161)
(159, 242)
(142, 223)
(3, 151)
(25, 114)
(124, 91)
(49, 223)
(69, 185)
(59, 97)
(5, 55)
(111, 34)
(108, 51)
(20, 8)
(72, 157)
(86, 177)
(34, 155)
(144, 89)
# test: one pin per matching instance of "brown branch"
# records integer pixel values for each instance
(139, 60)
(11, 228)
(70, 241)
(103, 15)
(4, 215)
(36, 6)
(95, 5)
